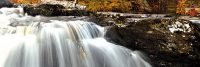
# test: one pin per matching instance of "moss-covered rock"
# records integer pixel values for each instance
(168, 42)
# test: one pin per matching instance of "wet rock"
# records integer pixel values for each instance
(53, 10)
(107, 19)
(168, 42)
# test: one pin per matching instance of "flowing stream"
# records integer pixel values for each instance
(57, 43)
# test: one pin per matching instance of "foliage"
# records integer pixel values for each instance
(114, 6)
(192, 12)
(25, 1)
(181, 7)
(158, 6)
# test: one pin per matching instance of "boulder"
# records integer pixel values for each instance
(52, 10)
(6, 4)
(167, 42)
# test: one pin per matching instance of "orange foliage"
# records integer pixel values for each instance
(14, 1)
(113, 5)
(181, 7)
(25, 1)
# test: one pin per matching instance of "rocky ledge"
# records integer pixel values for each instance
(53, 10)
(167, 42)
(6, 4)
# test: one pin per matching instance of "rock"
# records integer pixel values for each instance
(53, 10)
(6, 4)
(167, 42)
(102, 20)
(106, 19)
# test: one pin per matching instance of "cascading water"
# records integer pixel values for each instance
(24, 43)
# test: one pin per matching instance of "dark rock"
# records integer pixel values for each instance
(169, 15)
(106, 19)
(101, 19)
(53, 10)
(167, 42)
(6, 4)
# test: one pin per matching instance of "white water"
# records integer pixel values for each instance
(59, 44)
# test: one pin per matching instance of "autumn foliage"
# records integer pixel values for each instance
(192, 12)
(106, 6)
(25, 1)
(181, 7)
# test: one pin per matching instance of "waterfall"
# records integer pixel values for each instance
(57, 43)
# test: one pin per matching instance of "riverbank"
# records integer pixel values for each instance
(168, 40)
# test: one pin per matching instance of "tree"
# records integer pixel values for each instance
(181, 7)
(158, 6)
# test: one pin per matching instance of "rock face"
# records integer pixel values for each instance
(167, 42)
(52, 10)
